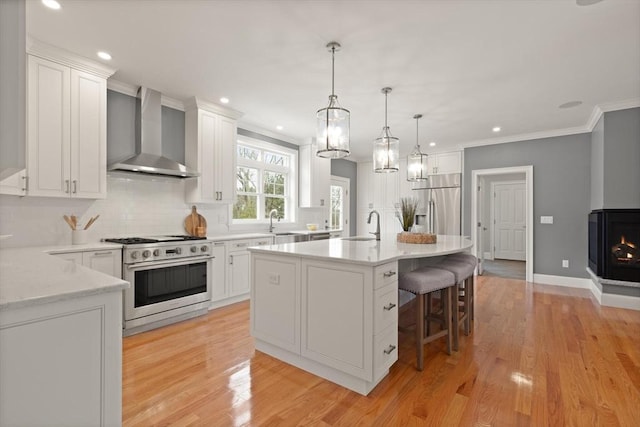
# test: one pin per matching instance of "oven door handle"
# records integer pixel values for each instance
(182, 261)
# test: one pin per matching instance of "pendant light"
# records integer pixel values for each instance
(332, 125)
(386, 147)
(417, 161)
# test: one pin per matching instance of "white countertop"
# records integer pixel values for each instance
(29, 276)
(368, 252)
(257, 235)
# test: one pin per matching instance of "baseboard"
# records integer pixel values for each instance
(607, 300)
(487, 255)
(568, 282)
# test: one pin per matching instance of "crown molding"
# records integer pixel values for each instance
(212, 107)
(43, 50)
(132, 90)
(596, 113)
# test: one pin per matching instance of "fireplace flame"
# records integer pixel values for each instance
(626, 252)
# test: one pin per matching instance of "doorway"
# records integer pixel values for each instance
(339, 206)
(482, 230)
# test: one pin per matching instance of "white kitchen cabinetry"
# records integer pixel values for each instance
(238, 264)
(107, 261)
(62, 362)
(314, 178)
(219, 286)
(337, 320)
(66, 127)
(443, 163)
(210, 149)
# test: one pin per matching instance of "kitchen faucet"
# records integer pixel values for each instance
(377, 233)
(271, 214)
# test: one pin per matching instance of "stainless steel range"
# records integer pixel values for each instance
(170, 280)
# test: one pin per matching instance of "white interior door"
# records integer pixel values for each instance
(339, 206)
(479, 248)
(509, 220)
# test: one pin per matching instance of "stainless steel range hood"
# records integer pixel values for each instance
(149, 158)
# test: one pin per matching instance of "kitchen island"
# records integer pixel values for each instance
(330, 307)
(60, 342)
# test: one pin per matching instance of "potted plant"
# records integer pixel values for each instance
(407, 213)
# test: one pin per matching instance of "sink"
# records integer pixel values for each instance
(359, 238)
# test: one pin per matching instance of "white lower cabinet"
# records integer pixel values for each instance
(336, 320)
(219, 285)
(107, 261)
(62, 362)
(238, 265)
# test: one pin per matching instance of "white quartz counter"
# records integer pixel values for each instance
(368, 252)
(29, 276)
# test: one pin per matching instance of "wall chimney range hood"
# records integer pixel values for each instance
(148, 158)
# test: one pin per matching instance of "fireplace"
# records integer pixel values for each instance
(614, 244)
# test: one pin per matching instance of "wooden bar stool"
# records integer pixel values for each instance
(423, 282)
(466, 257)
(462, 268)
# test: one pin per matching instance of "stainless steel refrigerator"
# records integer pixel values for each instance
(439, 210)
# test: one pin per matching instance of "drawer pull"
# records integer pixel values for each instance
(389, 349)
(389, 307)
(102, 253)
(389, 274)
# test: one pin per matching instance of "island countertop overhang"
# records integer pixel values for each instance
(368, 252)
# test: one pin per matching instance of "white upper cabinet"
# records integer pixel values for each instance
(315, 178)
(66, 124)
(210, 149)
(443, 163)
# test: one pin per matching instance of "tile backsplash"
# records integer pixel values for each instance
(136, 205)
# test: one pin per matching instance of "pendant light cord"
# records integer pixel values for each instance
(417, 140)
(385, 109)
(333, 65)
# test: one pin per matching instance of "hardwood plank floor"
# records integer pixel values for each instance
(537, 356)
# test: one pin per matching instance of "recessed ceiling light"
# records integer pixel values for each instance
(570, 104)
(224, 100)
(432, 144)
(279, 127)
(496, 129)
(104, 55)
(51, 4)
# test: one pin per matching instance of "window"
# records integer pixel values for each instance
(265, 180)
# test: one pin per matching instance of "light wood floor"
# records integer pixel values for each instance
(537, 356)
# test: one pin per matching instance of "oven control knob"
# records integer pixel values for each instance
(204, 248)
(156, 252)
(146, 254)
(193, 249)
(178, 250)
(134, 255)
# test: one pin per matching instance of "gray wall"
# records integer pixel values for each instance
(12, 84)
(597, 165)
(561, 188)
(348, 169)
(621, 171)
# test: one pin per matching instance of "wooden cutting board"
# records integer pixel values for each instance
(195, 224)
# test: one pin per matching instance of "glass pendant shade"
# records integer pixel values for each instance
(386, 152)
(386, 148)
(332, 130)
(332, 122)
(417, 161)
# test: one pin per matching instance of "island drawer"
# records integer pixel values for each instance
(385, 303)
(385, 274)
(385, 350)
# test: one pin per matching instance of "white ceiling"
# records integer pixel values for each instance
(467, 66)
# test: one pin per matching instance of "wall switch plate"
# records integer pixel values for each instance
(565, 263)
(274, 278)
(546, 220)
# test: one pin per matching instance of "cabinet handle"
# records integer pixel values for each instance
(241, 245)
(389, 274)
(66, 186)
(102, 253)
(389, 349)
(218, 244)
(321, 202)
(25, 179)
(75, 186)
(230, 259)
(220, 195)
(389, 307)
